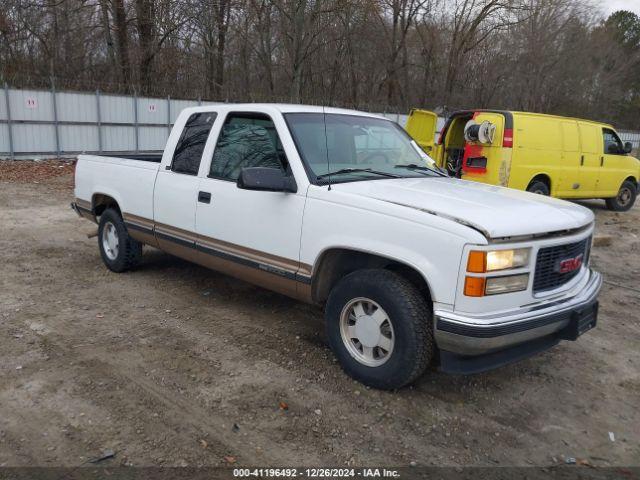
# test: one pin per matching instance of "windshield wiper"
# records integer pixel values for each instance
(420, 168)
(343, 171)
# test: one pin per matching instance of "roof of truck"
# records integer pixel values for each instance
(284, 108)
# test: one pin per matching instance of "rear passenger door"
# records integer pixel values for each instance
(176, 192)
(256, 232)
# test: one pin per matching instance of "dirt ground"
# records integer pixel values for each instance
(172, 364)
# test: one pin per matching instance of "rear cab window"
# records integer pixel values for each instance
(188, 153)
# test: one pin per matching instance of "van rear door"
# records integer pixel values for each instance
(487, 163)
(421, 125)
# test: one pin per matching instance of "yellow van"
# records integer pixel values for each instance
(547, 154)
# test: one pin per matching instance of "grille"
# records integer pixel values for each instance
(547, 276)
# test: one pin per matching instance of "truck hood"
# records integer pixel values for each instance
(497, 212)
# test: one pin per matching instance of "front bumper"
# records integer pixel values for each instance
(471, 344)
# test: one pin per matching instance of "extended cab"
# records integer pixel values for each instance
(342, 209)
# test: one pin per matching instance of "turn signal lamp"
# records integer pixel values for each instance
(474, 286)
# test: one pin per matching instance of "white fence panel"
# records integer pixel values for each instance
(118, 139)
(4, 138)
(152, 138)
(32, 126)
(79, 138)
(76, 107)
(30, 138)
(153, 110)
(31, 105)
(114, 109)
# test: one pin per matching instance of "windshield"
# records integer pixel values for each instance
(356, 148)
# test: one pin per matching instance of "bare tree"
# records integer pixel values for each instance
(397, 18)
(473, 21)
(301, 27)
(555, 56)
(211, 20)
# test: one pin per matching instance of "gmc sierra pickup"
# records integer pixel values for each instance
(342, 209)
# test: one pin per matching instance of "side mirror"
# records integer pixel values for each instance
(628, 146)
(266, 179)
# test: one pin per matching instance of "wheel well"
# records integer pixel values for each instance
(338, 263)
(632, 180)
(101, 202)
(541, 177)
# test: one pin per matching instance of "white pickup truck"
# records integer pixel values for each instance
(342, 209)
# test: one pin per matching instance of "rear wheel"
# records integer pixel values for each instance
(625, 199)
(380, 329)
(539, 187)
(118, 250)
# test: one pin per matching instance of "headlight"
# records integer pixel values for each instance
(512, 283)
(481, 261)
(491, 261)
(481, 286)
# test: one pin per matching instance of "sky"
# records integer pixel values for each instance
(610, 6)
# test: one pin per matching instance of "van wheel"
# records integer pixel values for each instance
(538, 187)
(380, 328)
(118, 250)
(625, 199)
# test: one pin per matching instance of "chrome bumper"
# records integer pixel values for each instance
(479, 335)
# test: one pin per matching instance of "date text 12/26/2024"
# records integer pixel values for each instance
(315, 473)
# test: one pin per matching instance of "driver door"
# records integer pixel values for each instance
(612, 171)
(256, 234)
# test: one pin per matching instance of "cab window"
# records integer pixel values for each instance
(188, 152)
(246, 140)
(612, 143)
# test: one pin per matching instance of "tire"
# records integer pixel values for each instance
(118, 250)
(625, 199)
(411, 328)
(539, 187)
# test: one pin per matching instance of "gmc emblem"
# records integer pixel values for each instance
(570, 264)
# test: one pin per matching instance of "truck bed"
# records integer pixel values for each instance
(129, 180)
(145, 157)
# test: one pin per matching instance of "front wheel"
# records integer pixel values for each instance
(118, 250)
(625, 199)
(380, 328)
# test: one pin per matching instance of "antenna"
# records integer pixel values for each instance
(326, 145)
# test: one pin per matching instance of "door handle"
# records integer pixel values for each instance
(581, 160)
(204, 197)
(601, 161)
